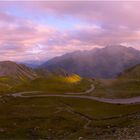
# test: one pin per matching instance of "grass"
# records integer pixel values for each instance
(72, 79)
(126, 88)
(99, 110)
(6, 84)
(60, 118)
(68, 118)
(54, 85)
(50, 84)
(117, 88)
(100, 89)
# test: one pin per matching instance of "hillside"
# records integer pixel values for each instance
(126, 85)
(106, 62)
(13, 74)
(53, 84)
(18, 77)
(16, 71)
(131, 73)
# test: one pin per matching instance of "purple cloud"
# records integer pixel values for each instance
(24, 37)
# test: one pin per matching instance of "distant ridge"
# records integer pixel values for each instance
(106, 62)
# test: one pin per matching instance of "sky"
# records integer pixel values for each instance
(38, 31)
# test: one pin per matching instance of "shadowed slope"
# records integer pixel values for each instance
(107, 62)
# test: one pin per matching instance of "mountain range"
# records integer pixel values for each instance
(108, 62)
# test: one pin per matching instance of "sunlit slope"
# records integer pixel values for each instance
(55, 84)
(71, 79)
(17, 77)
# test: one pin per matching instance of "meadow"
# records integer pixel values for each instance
(65, 118)
(116, 88)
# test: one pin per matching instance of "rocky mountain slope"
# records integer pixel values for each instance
(16, 71)
(106, 62)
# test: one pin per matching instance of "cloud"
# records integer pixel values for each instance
(18, 37)
(23, 36)
(108, 13)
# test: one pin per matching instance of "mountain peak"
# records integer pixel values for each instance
(116, 47)
(7, 62)
(105, 62)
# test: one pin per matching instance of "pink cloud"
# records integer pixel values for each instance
(110, 13)
(102, 23)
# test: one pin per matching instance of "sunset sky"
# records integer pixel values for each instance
(42, 30)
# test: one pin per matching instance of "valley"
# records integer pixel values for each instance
(69, 70)
(43, 104)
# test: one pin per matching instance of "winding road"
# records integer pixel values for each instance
(105, 100)
(92, 87)
(132, 100)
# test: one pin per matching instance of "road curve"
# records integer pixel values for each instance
(133, 100)
(80, 95)
(92, 87)
(89, 90)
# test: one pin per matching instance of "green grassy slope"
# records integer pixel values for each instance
(131, 74)
(125, 86)
(55, 84)
(66, 118)
(52, 84)
(128, 83)
(6, 84)
(17, 77)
